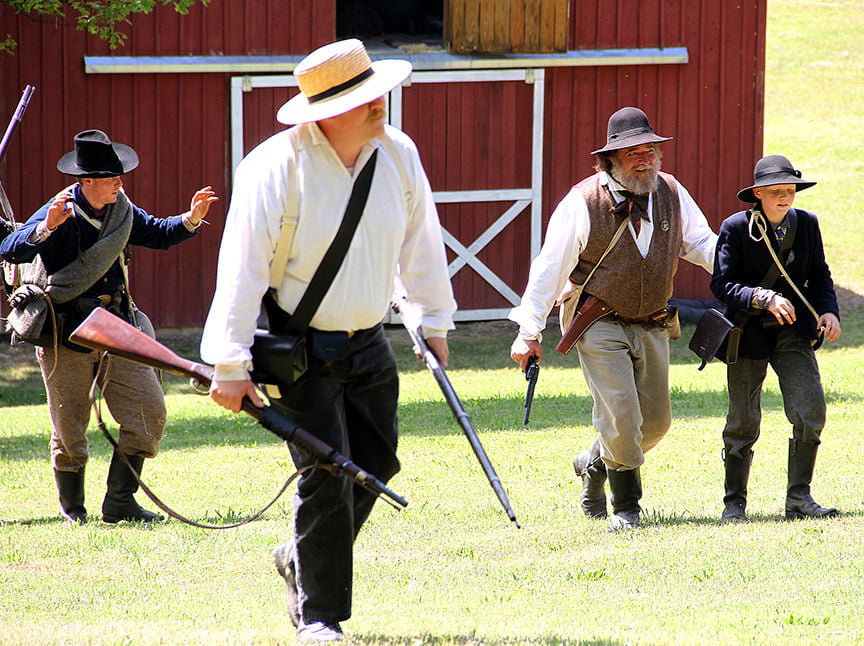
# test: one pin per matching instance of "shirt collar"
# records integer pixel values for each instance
(607, 180)
(86, 207)
(318, 138)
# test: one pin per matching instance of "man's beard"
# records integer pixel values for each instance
(640, 183)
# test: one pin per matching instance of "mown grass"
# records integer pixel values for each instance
(451, 569)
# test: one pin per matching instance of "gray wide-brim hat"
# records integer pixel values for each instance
(629, 127)
(770, 171)
(95, 155)
(337, 78)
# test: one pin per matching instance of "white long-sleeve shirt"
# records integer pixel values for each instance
(567, 236)
(297, 173)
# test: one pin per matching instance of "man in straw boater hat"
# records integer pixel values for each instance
(74, 250)
(782, 317)
(625, 354)
(301, 179)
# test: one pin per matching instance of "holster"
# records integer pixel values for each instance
(715, 336)
(587, 313)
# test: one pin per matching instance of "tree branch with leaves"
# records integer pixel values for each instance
(98, 17)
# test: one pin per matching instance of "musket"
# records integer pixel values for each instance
(532, 372)
(412, 324)
(106, 332)
(16, 120)
(7, 218)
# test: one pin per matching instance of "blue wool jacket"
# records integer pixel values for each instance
(740, 263)
(76, 234)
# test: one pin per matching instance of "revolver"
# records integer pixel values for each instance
(532, 372)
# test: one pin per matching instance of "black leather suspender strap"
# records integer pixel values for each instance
(298, 322)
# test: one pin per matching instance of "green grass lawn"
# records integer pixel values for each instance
(451, 568)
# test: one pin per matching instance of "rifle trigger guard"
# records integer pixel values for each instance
(199, 387)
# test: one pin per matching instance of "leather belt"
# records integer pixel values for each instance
(657, 319)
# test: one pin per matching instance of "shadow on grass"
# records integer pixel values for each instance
(418, 419)
(657, 518)
(372, 639)
(34, 522)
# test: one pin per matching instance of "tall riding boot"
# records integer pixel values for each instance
(589, 466)
(70, 485)
(799, 503)
(737, 474)
(625, 488)
(122, 484)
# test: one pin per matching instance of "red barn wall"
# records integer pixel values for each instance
(179, 123)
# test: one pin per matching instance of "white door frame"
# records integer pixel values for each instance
(515, 199)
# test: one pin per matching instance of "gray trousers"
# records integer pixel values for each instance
(794, 362)
(626, 367)
(351, 405)
(132, 394)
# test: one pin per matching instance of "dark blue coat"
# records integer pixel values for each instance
(740, 264)
(76, 234)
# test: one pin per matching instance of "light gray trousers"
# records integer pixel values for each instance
(626, 367)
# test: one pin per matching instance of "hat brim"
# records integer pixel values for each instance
(629, 142)
(386, 76)
(68, 163)
(747, 195)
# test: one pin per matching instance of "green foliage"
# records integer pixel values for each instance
(97, 17)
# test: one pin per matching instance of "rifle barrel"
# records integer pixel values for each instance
(16, 120)
(415, 332)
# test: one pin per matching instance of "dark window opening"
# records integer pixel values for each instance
(395, 23)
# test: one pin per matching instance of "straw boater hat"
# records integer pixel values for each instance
(96, 156)
(337, 78)
(629, 127)
(770, 171)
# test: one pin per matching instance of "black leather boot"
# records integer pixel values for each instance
(737, 474)
(70, 485)
(589, 466)
(799, 503)
(119, 503)
(625, 488)
(283, 557)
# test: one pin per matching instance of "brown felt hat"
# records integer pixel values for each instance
(629, 127)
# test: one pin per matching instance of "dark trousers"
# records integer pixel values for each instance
(351, 405)
(803, 398)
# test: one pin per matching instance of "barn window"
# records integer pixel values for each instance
(459, 26)
(397, 23)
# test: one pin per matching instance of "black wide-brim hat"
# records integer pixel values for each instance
(95, 155)
(629, 127)
(771, 171)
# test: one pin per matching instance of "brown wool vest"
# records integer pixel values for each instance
(631, 285)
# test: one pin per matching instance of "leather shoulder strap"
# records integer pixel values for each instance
(335, 254)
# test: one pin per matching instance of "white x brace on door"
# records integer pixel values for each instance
(514, 200)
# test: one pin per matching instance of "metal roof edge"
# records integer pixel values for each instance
(421, 61)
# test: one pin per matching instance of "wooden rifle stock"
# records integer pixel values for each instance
(106, 332)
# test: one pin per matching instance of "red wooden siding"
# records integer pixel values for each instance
(472, 136)
(178, 123)
(468, 146)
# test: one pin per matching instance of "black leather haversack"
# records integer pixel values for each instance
(715, 336)
(278, 359)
